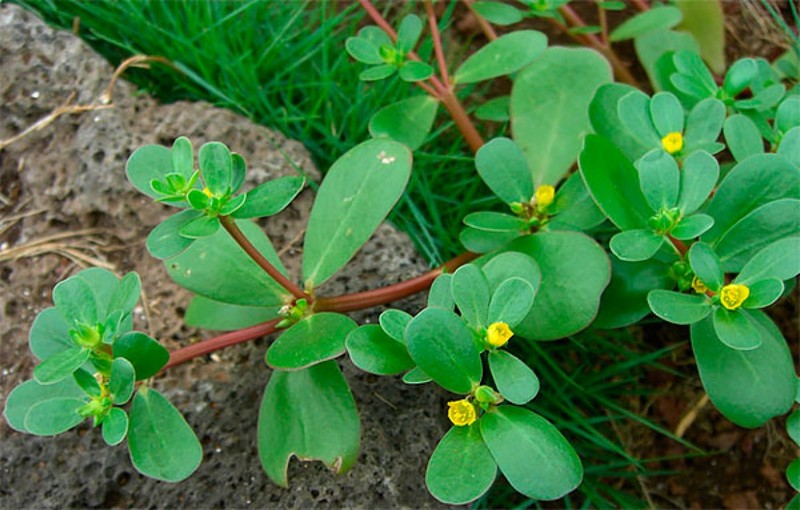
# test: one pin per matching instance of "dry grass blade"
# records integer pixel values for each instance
(81, 247)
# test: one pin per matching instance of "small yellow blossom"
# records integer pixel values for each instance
(498, 333)
(207, 192)
(699, 286)
(673, 142)
(732, 296)
(461, 412)
(545, 195)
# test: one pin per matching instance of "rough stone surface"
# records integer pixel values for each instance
(68, 177)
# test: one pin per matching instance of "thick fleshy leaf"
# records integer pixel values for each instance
(654, 51)
(748, 387)
(698, 177)
(667, 113)
(239, 172)
(461, 468)
(793, 476)
(53, 416)
(394, 323)
(634, 113)
(61, 365)
(483, 241)
(742, 137)
(216, 267)
(209, 314)
(162, 445)
(706, 22)
(531, 453)
(514, 379)
(678, 308)
(271, 197)
(793, 426)
(503, 56)
(660, 179)
(766, 224)
(408, 121)
(358, 192)
(415, 71)
(788, 114)
(165, 240)
(490, 221)
(126, 295)
(377, 73)
(442, 347)
(309, 414)
(147, 163)
(776, 260)
(511, 264)
(614, 183)
(471, 295)
(604, 116)
(204, 226)
(549, 132)
(495, 110)
(145, 354)
(115, 426)
(363, 50)
(373, 351)
(498, 12)
(790, 146)
(706, 266)
(757, 180)
(704, 124)
(736, 330)
(88, 383)
(575, 271)
(75, 301)
(636, 245)
(693, 226)
(30, 393)
(316, 338)
(763, 293)
(502, 166)
(408, 32)
(657, 18)
(121, 382)
(511, 302)
(216, 167)
(416, 376)
(574, 208)
(624, 301)
(49, 334)
(440, 295)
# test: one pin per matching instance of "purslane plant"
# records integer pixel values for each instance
(700, 240)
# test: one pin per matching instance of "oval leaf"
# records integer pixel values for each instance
(461, 468)
(373, 351)
(511, 302)
(678, 308)
(316, 338)
(471, 294)
(514, 379)
(115, 426)
(30, 393)
(145, 354)
(121, 381)
(504, 55)
(271, 197)
(408, 121)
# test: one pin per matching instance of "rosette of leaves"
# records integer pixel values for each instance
(91, 362)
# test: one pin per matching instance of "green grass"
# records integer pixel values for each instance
(282, 65)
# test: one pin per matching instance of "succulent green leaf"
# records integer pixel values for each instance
(549, 132)
(204, 226)
(495, 109)
(793, 476)
(416, 376)
(693, 76)
(217, 268)
(739, 76)
(232, 205)
(115, 426)
(471, 295)
(763, 293)
(789, 147)
(736, 330)
(271, 197)
(49, 334)
(60, 366)
(654, 50)
(788, 114)
(442, 347)
(415, 71)
(498, 13)
(514, 379)
(706, 266)
(239, 172)
(667, 113)
(749, 387)
(660, 179)
(358, 192)
(698, 177)
(75, 301)
(505, 55)
(126, 295)
(53, 416)
(209, 314)
(182, 157)
(693, 226)
(121, 381)
(216, 167)
(408, 121)
(162, 445)
(613, 183)
(482, 241)
(408, 32)
(678, 308)
(776, 260)
(704, 125)
(793, 426)
(504, 266)
(165, 240)
(605, 120)
(440, 295)
(657, 18)
(363, 50)
(636, 245)
(502, 166)
(490, 221)
(147, 163)
(625, 299)
(511, 302)
(575, 271)
(30, 393)
(394, 323)
(461, 468)
(742, 137)
(373, 351)
(574, 208)
(87, 382)
(309, 414)
(531, 453)
(317, 338)
(145, 354)
(705, 21)
(377, 73)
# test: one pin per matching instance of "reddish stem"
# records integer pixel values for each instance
(437, 43)
(189, 352)
(486, 27)
(641, 5)
(230, 225)
(375, 297)
(679, 245)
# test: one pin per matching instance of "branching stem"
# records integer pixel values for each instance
(486, 27)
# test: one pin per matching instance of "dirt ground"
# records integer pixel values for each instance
(64, 204)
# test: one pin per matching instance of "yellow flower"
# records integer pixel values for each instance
(545, 195)
(699, 286)
(461, 412)
(498, 333)
(732, 296)
(673, 142)
(207, 192)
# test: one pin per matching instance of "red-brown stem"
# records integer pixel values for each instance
(382, 296)
(189, 352)
(679, 245)
(620, 69)
(641, 5)
(486, 27)
(437, 43)
(230, 225)
(602, 19)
